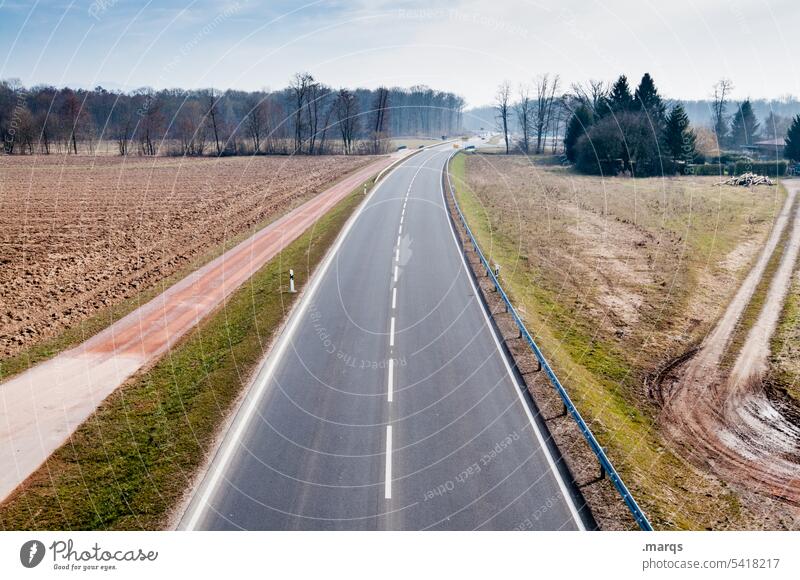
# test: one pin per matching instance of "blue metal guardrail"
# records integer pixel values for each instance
(606, 466)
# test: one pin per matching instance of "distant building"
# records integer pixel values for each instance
(767, 149)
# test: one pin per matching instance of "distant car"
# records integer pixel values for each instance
(421, 147)
(469, 148)
(402, 147)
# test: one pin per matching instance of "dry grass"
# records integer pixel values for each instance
(616, 277)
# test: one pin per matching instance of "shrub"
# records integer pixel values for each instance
(707, 169)
(768, 168)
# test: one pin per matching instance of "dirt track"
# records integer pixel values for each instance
(42, 406)
(728, 423)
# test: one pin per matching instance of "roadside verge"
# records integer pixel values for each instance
(597, 487)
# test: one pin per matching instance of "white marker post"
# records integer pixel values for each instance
(365, 188)
(291, 282)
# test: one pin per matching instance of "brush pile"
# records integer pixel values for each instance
(747, 180)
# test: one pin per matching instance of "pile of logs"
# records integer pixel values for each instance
(747, 180)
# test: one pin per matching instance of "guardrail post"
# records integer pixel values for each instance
(602, 471)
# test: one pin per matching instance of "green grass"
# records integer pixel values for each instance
(130, 463)
(595, 374)
(787, 330)
(785, 362)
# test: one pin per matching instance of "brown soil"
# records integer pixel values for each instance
(80, 234)
(735, 426)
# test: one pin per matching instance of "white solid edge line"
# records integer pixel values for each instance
(390, 395)
(242, 419)
(391, 333)
(551, 462)
(387, 490)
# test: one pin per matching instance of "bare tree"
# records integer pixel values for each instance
(347, 118)
(549, 114)
(151, 125)
(257, 120)
(523, 110)
(560, 113)
(299, 89)
(191, 129)
(592, 94)
(380, 114)
(313, 96)
(327, 106)
(502, 106)
(212, 102)
(73, 117)
(545, 93)
(722, 91)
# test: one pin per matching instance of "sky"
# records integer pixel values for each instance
(465, 46)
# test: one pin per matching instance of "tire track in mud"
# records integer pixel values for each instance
(728, 423)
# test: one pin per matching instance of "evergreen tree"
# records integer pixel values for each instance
(578, 125)
(647, 100)
(793, 140)
(745, 125)
(620, 98)
(679, 138)
(775, 126)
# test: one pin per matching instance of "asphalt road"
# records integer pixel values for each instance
(387, 403)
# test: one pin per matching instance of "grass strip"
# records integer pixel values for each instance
(129, 464)
(784, 346)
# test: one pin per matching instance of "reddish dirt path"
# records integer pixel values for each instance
(728, 423)
(44, 405)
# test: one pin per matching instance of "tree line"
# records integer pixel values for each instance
(601, 128)
(615, 128)
(306, 117)
(743, 128)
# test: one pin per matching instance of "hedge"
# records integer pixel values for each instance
(708, 169)
(768, 168)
